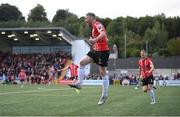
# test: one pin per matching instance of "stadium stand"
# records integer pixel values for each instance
(36, 66)
(34, 50)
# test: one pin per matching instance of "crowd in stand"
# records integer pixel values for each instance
(37, 67)
(93, 77)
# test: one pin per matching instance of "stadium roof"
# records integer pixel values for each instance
(45, 34)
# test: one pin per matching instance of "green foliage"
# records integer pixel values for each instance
(157, 36)
(116, 27)
(132, 52)
(10, 13)
(173, 46)
(160, 32)
(37, 24)
(37, 14)
(173, 26)
(12, 24)
(155, 54)
(164, 52)
(62, 15)
(84, 30)
(68, 20)
(142, 24)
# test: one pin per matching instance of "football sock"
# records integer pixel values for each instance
(81, 74)
(152, 95)
(105, 85)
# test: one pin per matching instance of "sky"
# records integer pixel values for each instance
(102, 8)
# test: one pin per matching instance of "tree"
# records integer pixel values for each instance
(164, 52)
(62, 15)
(84, 30)
(115, 30)
(173, 26)
(72, 25)
(68, 20)
(142, 24)
(173, 46)
(12, 24)
(10, 13)
(157, 37)
(131, 23)
(116, 27)
(37, 14)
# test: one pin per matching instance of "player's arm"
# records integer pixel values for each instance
(152, 67)
(64, 68)
(101, 35)
(139, 75)
(88, 42)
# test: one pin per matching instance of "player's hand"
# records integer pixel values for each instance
(148, 72)
(92, 41)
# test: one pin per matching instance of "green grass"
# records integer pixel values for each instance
(61, 100)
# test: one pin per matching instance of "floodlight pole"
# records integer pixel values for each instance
(125, 45)
(147, 47)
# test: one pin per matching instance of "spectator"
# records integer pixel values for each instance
(22, 77)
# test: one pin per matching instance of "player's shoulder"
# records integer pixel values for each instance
(98, 24)
(139, 60)
(148, 59)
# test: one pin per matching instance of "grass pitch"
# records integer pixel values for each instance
(55, 100)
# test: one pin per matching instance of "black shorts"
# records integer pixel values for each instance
(148, 80)
(99, 57)
(74, 77)
(22, 80)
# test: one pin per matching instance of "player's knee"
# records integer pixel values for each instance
(149, 88)
(82, 63)
(102, 73)
(144, 90)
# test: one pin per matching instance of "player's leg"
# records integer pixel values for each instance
(145, 88)
(151, 90)
(86, 60)
(105, 85)
(151, 94)
(138, 84)
(144, 85)
(22, 83)
(105, 79)
(102, 61)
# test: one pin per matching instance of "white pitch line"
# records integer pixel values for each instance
(35, 91)
(38, 95)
